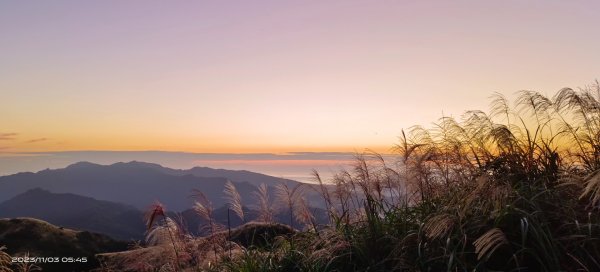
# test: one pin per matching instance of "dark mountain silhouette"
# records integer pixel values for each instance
(140, 184)
(77, 212)
(117, 220)
(234, 175)
(110, 199)
(238, 176)
(132, 183)
(40, 239)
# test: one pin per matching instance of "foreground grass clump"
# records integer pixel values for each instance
(514, 190)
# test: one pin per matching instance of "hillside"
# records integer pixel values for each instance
(73, 211)
(41, 239)
(116, 220)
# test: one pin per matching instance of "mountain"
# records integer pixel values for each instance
(116, 220)
(78, 212)
(38, 238)
(140, 184)
(234, 175)
(253, 178)
(129, 183)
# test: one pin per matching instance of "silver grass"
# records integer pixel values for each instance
(487, 243)
(264, 207)
(234, 199)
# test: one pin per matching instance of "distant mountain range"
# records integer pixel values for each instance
(110, 199)
(139, 184)
(234, 175)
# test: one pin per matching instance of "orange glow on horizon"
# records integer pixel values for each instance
(279, 162)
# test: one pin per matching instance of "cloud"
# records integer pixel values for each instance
(7, 136)
(37, 140)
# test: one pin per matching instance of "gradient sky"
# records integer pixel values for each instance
(272, 76)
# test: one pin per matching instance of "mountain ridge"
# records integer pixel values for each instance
(121, 182)
(73, 211)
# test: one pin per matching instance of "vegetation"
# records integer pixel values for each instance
(513, 190)
(28, 237)
(517, 189)
(5, 260)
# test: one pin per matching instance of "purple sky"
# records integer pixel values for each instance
(272, 76)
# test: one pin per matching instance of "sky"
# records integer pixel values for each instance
(272, 76)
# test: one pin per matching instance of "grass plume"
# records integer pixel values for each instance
(234, 199)
(264, 207)
(5, 260)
